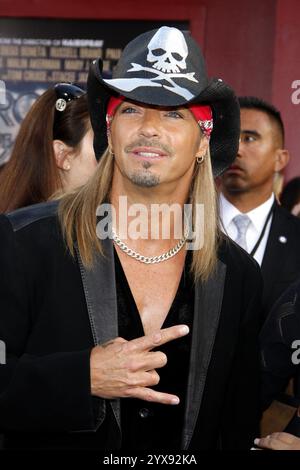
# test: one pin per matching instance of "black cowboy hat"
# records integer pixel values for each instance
(165, 67)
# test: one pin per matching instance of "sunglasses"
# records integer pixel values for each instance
(66, 92)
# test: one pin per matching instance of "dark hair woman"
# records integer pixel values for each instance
(290, 196)
(53, 151)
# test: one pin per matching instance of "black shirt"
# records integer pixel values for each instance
(148, 425)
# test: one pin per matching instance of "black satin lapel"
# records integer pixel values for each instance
(270, 260)
(100, 292)
(208, 303)
(275, 253)
(99, 286)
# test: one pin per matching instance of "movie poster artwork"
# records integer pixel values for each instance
(37, 53)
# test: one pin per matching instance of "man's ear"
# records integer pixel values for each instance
(110, 147)
(62, 155)
(203, 146)
(282, 158)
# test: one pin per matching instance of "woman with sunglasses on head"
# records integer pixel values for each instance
(53, 151)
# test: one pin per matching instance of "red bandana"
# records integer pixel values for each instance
(202, 114)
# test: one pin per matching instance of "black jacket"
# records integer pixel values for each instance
(281, 261)
(53, 311)
(280, 345)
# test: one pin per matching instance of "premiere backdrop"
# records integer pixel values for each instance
(36, 53)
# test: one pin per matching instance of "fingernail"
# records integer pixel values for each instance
(175, 401)
(256, 441)
(184, 330)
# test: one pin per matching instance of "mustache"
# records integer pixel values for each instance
(149, 143)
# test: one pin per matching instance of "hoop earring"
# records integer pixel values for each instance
(200, 159)
(111, 152)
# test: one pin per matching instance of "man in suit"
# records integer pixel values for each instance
(121, 341)
(249, 211)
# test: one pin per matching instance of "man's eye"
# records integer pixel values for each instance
(174, 114)
(128, 110)
(248, 138)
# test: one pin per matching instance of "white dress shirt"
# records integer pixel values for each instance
(258, 218)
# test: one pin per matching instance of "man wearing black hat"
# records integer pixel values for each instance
(127, 332)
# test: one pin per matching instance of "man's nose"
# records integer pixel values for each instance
(241, 148)
(150, 125)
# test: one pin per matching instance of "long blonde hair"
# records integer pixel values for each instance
(77, 213)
